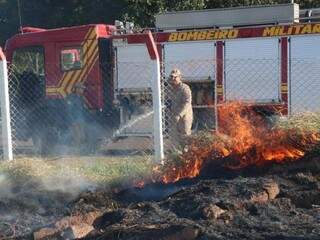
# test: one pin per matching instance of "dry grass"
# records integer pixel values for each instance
(35, 192)
(96, 170)
(307, 122)
(117, 169)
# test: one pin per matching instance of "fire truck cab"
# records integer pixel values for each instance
(47, 64)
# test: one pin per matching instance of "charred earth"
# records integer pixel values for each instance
(246, 181)
(270, 202)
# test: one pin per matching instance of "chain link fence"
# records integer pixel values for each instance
(305, 85)
(258, 83)
(133, 98)
(68, 121)
(53, 122)
(1, 134)
(199, 77)
(255, 80)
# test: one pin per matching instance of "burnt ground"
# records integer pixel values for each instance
(271, 202)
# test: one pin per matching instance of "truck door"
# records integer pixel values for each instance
(28, 68)
(305, 72)
(69, 63)
(252, 70)
(77, 63)
(196, 61)
(26, 86)
(133, 83)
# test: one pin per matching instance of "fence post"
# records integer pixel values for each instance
(156, 97)
(5, 109)
(157, 108)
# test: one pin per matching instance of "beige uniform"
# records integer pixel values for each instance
(181, 114)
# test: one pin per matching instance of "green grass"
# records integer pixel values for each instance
(95, 170)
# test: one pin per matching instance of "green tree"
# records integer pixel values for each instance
(9, 20)
(59, 13)
(143, 12)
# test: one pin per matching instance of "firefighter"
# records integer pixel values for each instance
(180, 113)
(77, 115)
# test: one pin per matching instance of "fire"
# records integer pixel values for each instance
(139, 184)
(244, 139)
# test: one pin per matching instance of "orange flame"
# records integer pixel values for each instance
(244, 137)
(139, 184)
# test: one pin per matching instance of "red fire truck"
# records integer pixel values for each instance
(205, 45)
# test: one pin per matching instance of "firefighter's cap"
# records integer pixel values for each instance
(175, 73)
(79, 85)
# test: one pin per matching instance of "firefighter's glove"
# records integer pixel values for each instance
(177, 118)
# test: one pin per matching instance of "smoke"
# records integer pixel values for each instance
(34, 178)
(67, 174)
(5, 187)
(37, 192)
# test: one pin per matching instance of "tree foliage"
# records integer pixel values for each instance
(58, 13)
